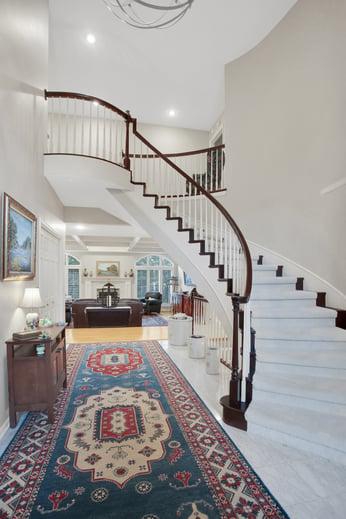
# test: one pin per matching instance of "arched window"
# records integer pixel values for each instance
(153, 272)
(73, 267)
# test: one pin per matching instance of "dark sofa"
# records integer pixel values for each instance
(79, 317)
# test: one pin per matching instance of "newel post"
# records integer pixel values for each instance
(127, 162)
(235, 383)
(233, 407)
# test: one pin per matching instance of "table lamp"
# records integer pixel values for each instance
(32, 300)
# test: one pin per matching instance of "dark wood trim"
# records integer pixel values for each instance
(321, 299)
(74, 95)
(300, 284)
(233, 416)
(279, 271)
(182, 154)
(244, 298)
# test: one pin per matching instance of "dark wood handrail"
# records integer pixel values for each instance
(84, 97)
(182, 154)
(234, 408)
(241, 298)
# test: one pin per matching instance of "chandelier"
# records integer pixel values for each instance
(156, 14)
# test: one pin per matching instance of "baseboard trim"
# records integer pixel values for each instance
(312, 282)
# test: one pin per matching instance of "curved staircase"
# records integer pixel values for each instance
(299, 385)
(299, 389)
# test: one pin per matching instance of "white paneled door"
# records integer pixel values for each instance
(51, 282)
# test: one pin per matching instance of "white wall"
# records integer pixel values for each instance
(23, 76)
(285, 127)
(174, 140)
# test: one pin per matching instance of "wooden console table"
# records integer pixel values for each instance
(34, 381)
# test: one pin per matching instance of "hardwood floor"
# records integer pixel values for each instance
(81, 335)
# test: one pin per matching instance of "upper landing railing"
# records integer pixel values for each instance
(88, 126)
(81, 126)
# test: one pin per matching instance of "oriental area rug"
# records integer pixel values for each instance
(130, 439)
(154, 320)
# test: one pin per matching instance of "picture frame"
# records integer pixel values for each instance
(188, 281)
(19, 241)
(107, 269)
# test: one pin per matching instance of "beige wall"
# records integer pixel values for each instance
(23, 76)
(285, 127)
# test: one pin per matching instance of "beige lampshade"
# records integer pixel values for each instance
(32, 298)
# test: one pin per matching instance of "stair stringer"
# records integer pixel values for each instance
(185, 254)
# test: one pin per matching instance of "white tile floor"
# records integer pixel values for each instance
(306, 486)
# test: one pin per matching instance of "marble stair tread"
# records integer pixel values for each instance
(285, 367)
(265, 269)
(284, 294)
(315, 312)
(308, 390)
(274, 280)
(294, 355)
(311, 430)
(297, 317)
(320, 334)
(263, 298)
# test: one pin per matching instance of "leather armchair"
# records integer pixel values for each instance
(152, 302)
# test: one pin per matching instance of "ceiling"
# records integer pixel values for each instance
(148, 72)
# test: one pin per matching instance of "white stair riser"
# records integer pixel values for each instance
(264, 371)
(294, 346)
(327, 390)
(257, 303)
(304, 359)
(273, 430)
(260, 274)
(298, 322)
(302, 402)
(303, 423)
(257, 288)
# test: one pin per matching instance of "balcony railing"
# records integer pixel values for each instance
(88, 126)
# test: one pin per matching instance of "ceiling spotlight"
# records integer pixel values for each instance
(156, 14)
(171, 113)
(91, 38)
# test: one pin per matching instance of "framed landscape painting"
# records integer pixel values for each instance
(19, 241)
(107, 269)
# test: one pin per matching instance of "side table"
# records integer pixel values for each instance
(34, 380)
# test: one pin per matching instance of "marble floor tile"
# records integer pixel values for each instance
(306, 485)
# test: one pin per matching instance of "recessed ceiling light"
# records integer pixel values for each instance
(91, 38)
(171, 113)
(80, 227)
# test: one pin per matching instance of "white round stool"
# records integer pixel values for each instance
(196, 346)
(213, 361)
(179, 330)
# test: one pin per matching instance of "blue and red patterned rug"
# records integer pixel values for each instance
(130, 439)
(154, 320)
